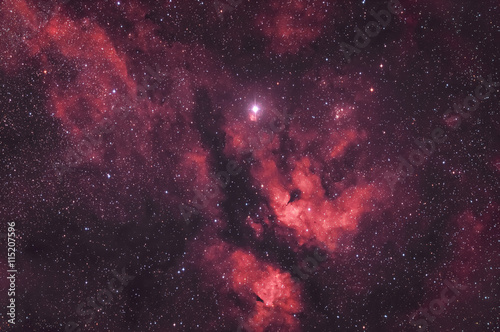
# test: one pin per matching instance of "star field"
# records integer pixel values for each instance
(281, 165)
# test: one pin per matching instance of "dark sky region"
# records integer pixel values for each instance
(277, 165)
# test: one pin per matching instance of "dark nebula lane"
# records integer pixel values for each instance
(237, 165)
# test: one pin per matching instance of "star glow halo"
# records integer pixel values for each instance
(255, 112)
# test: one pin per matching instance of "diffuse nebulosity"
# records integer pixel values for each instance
(217, 150)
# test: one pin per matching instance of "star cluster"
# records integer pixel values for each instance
(281, 165)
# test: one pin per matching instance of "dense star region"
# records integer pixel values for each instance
(240, 165)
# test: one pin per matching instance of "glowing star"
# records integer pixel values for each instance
(254, 114)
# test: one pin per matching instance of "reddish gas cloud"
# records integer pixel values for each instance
(93, 85)
(311, 181)
(313, 217)
(273, 295)
(291, 24)
(274, 287)
(19, 23)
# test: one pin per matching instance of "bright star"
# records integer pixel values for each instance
(255, 108)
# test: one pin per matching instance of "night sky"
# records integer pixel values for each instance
(251, 165)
